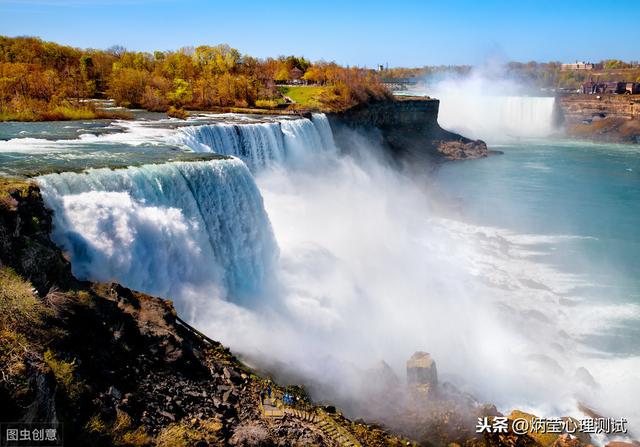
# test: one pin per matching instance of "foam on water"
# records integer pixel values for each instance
(261, 145)
(163, 228)
(367, 268)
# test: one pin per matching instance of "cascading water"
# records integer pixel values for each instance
(496, 117)
(162, 229)
(256, 144)
(365, 269)
(262, 144)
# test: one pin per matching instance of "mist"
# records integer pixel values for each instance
(489, 105)
(373, 267)
(327, 264)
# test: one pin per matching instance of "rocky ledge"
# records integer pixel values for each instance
(408, 127)
(607, 118)
(117, 367)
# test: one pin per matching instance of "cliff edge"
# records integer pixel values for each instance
(107, 366)
(409, 128)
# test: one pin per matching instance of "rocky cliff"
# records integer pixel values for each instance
(609, 118)
(113, 367)
(408, 126)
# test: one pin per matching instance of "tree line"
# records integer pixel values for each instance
(547, 75)
(38, 76)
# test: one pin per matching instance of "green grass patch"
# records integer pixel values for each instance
(64, 372)
(303, 95)
(19, 307)
(21, 316)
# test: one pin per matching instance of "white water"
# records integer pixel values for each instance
(489, 107)
(262, 145)
(164, 229)
(367, 269)
(496, 117)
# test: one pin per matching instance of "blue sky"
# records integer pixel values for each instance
(397, 32)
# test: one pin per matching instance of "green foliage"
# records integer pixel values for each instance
(306, 96)
(40, 80)
(267, 103)
(181, 93)
(64, 374)
(20, 309)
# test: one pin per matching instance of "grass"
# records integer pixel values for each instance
(61, 113)
(10, 185)
(19, 307)
(63, 371)
(305, 96)
(21, 313)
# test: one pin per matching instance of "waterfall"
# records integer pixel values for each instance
(256, 144)
(496, 117)
(164, 229)
(262, 144)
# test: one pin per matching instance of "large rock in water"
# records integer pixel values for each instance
(422, 375)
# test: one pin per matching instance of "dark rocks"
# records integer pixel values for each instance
(408, 128)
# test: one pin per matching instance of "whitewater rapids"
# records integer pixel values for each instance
(326, 263)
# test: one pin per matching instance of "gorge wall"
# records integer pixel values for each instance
(409, 127)
(610, 118)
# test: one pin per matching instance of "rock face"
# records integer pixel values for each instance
(608, 118)
(422, 375)
(409, 128)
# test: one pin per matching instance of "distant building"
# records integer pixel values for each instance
(581, 66)
(614, 87)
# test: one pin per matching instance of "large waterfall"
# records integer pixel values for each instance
(495, 118)
(166, 228)
(365, 266)
(262, 144)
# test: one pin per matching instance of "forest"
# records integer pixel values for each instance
(46, 81)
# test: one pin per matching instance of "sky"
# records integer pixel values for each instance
(362, 33)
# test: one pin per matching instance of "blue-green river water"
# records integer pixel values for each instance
(546, 236)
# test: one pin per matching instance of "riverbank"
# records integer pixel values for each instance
(62, 113)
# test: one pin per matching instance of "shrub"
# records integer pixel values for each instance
(267, 103)
(20, 309)
(177, 113)
(64, 373)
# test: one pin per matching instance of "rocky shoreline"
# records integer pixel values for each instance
(606, 118)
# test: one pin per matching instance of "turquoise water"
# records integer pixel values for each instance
(533, 252)
(584, 196)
